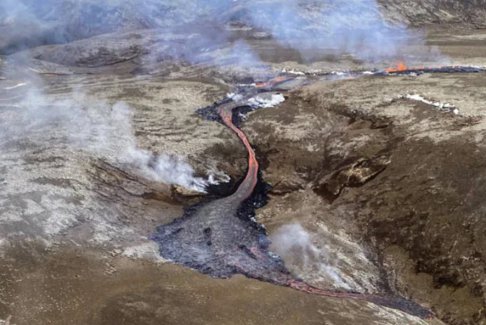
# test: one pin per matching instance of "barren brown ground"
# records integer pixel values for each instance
(409, 221)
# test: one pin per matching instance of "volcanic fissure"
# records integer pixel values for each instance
(221, 237)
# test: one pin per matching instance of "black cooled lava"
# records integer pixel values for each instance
(221, 237)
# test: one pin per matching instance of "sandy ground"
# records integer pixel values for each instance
(74, 220)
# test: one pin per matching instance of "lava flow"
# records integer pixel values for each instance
(219, 238)
(400, 67)
(246, 188)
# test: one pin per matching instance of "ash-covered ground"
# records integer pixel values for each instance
(377, 181)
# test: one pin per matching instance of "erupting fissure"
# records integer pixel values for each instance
(221, 237)
(400, 67)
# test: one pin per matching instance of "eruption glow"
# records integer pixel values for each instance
(313, 28)
(400, 67)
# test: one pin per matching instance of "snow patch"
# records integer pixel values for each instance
(294, 72)
(148, 250)
(6, 321)
(338, 73)
(447, 107)
(57, 221)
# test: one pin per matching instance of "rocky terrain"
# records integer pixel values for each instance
(377, 181)
(429, 12)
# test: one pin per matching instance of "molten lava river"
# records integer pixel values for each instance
(221, 237)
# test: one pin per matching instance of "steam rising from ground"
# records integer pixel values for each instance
(314, 28)
(327, 259)
(295, 245)
(354, 27)
(77, 123)
(96, 127)
(163, 168)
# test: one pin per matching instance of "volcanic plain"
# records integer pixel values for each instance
(386, 174)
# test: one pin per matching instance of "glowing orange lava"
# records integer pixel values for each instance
(272, 82)
(245, 190)
(246, 187)
(400, 67)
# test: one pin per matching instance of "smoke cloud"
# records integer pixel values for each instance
(96, 127)
(295, 245)
(163, 168)
(315, 28)
(354, 27)
(326, 258)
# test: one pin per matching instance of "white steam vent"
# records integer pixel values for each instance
(325, 259)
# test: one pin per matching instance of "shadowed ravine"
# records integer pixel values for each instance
(220, 238)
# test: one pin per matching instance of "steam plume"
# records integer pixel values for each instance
(96, 127)
(326, 258)
(314, 28)
(353, 27)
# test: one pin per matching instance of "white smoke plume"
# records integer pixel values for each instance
(315, 28)
(162, 168)
(354, 27)
(327, 259)
(165, 168)
(294, 244)
(93, 126)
